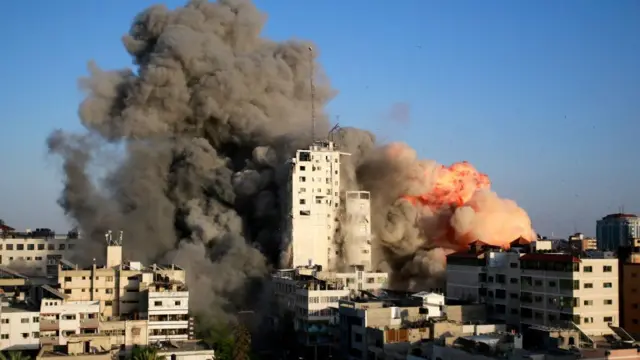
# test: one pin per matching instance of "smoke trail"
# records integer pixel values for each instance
(207, 121)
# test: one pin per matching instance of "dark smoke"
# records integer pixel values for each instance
(206, 122)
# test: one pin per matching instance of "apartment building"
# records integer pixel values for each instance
(616, 230)
(549, 289)
(579, 242)
(561, 289)
(19, 327)
(60, 319)
(630, 289)
(129, 290)
(37, 251)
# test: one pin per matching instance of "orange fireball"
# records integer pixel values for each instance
(454, 186)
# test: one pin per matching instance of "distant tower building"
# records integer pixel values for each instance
(616, 230)
(313, 204)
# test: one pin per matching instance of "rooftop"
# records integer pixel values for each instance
(19, 308)
(619, 216)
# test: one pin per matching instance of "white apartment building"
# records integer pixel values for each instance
(313, 205)
(168, 311)
(60, 319)
(39, 250)
(19, 328)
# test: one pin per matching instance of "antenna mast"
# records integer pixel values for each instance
(313, 96)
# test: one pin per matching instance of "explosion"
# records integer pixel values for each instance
(207, 122)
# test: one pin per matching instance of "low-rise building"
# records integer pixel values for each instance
(60, 319)
(97, 347)
(19, 327)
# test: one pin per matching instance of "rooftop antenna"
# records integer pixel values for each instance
(313, 96)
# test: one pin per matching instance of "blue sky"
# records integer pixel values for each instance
(544, 96)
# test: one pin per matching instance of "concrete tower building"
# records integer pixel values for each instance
(313, 205)
(358, 228)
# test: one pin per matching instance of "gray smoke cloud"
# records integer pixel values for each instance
(206, 123)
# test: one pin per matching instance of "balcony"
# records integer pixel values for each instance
(49, 340)
(49, 325)
(89, 323)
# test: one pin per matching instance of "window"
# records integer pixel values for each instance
(38, 258)
(608, 319)
(513, 280)
(305, 212)
(40, 246)
(588, 302)
(108, 291)
(303, 168)
(9, 246)
(588, 285)
(51, 247)
(552, 283)
(24, 320)
(588, 269)
(67, 291)
(608, 302)
(36, 319)
(31, 247)
(304, 156)
(607, 268)
(177, 303)
(302, 179)
(67, 278)
(20, 247)
(4, 336)
(108, 303)
(303, 190)
(109, 278)
(35, 335)
(303, 201)
(61, 247)
(157, 303)
(608, 285)
(5, 321)
(513, 265)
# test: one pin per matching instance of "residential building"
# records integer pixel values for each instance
(312, 295)
(129, 290)
(97, 347)
(357, 229)
(60, 319)
(19, 327)
(630, 289)
(313, 205)
(579, 242)
(36, 251)
(617, 230)
(525, 289)
(490, 275)
(561, 289)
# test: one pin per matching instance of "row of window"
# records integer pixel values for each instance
(306, 156)
(160, 303)
(32, 247)
(26, 320)
(34, 335)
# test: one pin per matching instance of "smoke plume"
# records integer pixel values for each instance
(207, 121)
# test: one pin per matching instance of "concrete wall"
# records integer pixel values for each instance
(19, 329)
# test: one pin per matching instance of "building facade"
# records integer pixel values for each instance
(19, 328)
(38, 251)
(59, 319)
(312, 206)
(616, 230)
(545, 289)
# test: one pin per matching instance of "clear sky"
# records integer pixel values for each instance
(543, 95)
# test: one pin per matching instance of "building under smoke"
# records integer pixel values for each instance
(322, 224)
(207, 120)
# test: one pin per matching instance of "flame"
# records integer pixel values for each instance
(458, 197)
(454, 186)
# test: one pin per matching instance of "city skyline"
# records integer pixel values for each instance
(555, 130)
